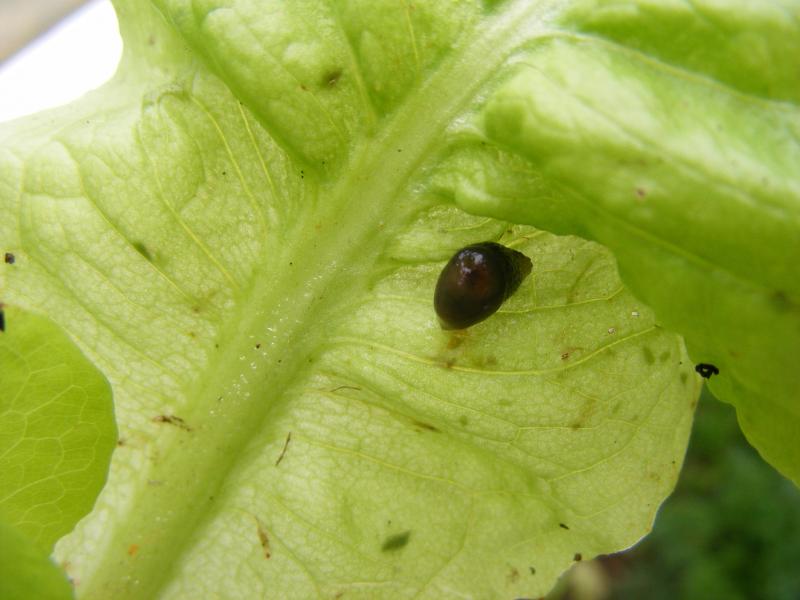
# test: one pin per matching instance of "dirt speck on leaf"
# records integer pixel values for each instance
(331, 78)
(263, 539)
(426, 426)
(285, 447)
(172, 420)
(455, 340)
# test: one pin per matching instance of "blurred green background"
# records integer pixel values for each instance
(731, 529)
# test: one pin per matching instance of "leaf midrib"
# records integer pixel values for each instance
(287, 310)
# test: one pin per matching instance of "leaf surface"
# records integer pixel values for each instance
(243, 231)
(669, 132)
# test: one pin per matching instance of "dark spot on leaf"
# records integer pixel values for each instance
(566, 354)
(464, 420)
(649, 357)
(285, 447)
(263, 539)
(563, 526)
(331, 78)
(2, 320)
(706, 370)
(346, 387)
(456, 339)
(684, 377)
(396, 542)
(578, 557)
(10, 258)
(782, 303)
(142, 249)
(425, 426)
(641, 192)
(132, 550)
(513, 575)
(258, 346)
(532, 570)
(172, 420)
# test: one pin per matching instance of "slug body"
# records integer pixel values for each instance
(706, 370)
(476, 281)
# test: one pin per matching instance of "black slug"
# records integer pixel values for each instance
(706, 370)
(476, 281)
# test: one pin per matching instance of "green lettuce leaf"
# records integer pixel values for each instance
(669, 132)
(25, 571)
(56, 429)
(243, 230)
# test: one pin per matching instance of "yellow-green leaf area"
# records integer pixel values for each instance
(57, 429)
(25, 570)
(667, 131)
(243, 231)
